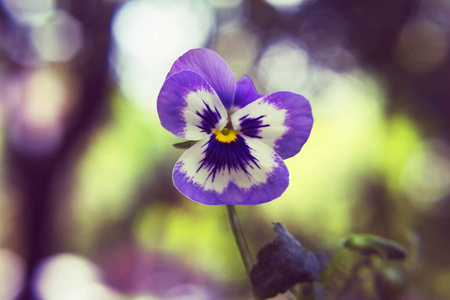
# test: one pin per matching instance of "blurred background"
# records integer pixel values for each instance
(87, 206)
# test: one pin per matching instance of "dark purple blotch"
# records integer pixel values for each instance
(220, 156)
(251, 126)
(209, 118)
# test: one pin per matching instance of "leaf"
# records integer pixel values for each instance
(370, 244)
(184, 145)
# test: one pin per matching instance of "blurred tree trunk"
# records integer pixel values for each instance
(34, 176)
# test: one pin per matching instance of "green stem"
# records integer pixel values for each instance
(354, 275)
(335, 261)
(241, 242)
(297, 293)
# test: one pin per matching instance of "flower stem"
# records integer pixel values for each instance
(241, 242)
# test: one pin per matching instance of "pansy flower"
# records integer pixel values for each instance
(241, 136)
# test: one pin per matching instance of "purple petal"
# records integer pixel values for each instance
(245, 172)
(245, 92)
(281, 120)
(209, 65)
(189, 107)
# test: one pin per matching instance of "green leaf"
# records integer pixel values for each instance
(370, 244)
(184, 145)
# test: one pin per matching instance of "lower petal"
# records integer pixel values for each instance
(242, 172)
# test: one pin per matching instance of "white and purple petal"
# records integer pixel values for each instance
(189, 107)
(281, 120)
(245, 93)
(209, 65)
(245, 171)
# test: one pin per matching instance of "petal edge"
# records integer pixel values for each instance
(209, 65)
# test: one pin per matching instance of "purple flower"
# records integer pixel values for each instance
(242, 136)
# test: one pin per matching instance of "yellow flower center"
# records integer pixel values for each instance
(226, 135)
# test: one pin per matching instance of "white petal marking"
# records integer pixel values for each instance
(272, 120)
(256, 173)
(199, 102)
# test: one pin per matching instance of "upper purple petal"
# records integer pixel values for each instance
(245, 92)
(209, 65)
